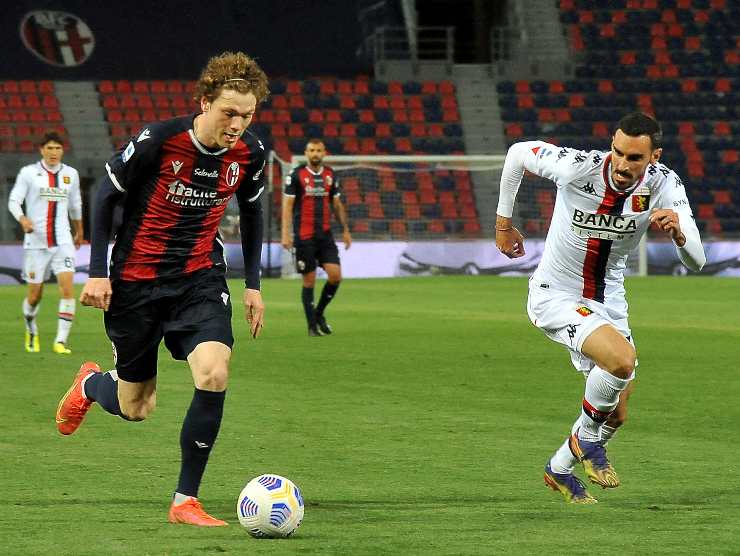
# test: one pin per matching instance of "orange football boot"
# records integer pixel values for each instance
(73, 406)
(192, 513)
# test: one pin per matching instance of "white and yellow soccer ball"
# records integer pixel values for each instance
(270, 506)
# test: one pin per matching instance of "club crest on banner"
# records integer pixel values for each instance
(58, 38)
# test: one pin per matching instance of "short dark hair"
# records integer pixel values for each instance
(50, 136)
(314, 140)
(639, 123)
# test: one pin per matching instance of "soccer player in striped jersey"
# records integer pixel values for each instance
(50, 190)
(167, 276)
(605, 202)
(311, 193)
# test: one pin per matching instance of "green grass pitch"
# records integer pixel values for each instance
(420, 427)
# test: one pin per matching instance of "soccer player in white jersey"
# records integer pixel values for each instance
(51, 193)
(605, 202)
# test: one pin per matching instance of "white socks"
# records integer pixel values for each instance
(599, 400)
(66, 316)
(29, 314)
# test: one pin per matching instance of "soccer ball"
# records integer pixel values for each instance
(270, 506)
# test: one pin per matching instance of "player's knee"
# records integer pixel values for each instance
(34, 297)
(624, 364)
(213, 378)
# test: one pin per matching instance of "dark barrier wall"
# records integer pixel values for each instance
(173, 39)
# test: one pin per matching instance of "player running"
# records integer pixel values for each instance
(605, 203)
(167, 271)
(310, 191)
(51, 193)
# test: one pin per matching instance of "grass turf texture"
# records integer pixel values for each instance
(421, 426)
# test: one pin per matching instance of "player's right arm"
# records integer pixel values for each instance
(126, 171)
(539, 158)
(97, 290)
(15, 202)
(289, 192)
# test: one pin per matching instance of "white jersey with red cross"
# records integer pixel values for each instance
(51, 198)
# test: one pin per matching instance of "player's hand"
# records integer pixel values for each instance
(97, 293)
(287, 243)
(667, 221)
(510, 242)
(77, 240)
(26, 224)
(347, 238)
(254, 310)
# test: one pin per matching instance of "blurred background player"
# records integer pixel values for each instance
(168, 273)
(311, 191)
(51, 193)
(605, 203)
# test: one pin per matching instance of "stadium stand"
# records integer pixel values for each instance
(675, 59)
(28, 109)
(361, 116)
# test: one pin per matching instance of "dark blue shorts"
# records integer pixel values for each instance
(185, 311)
(310, 252)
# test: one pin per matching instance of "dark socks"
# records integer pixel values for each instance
(327, 294)
(199, 432)
(103, 388)
(307, 298)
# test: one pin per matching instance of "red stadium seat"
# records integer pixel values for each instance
(398, 228)
(360, 226)
(471, 227)
(123, 86)
(347, 103)
(395, 88)
(381, 101)
(446, 88)
(46, 87)
(383, 130)
(436, 227)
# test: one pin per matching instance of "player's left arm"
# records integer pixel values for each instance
(74, 208)
(338, 207)
(676, 219)
(251, 227)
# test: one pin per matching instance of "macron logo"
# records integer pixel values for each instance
(176, 165)
(201, 444)
(144, 136)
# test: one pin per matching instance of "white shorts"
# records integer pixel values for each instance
(38, 264)
(569, 319)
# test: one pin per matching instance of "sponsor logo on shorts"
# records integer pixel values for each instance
(571, 330)
(301, 265)
(584, 311)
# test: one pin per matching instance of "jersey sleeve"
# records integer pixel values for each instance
(559, 164)
(291, 184)
(74, 207)
(134, 163)
(334, 191)
(673, 196)
(18, 195)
